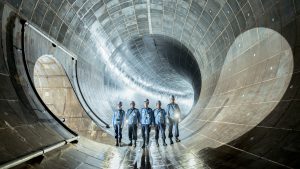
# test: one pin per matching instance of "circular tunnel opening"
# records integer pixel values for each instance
(154, 67)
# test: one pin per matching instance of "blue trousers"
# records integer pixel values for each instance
(146, 133)
(132, 131)
(160, 128)
(118, 131)
(173, 123)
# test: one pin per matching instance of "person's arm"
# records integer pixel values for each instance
(126, 117)
(152, 118)
(123, 119)
(168, 111)
(138, 115)
(179, 112)
(141, 114)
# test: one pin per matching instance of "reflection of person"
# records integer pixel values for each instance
(160, 123)
(132, 119)
(118, 122)
(146, 121)
(173, 113)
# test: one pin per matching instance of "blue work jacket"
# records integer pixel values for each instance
(146, 116)
(118, 117)
(160, 116)
(132, 116)
(173, 111)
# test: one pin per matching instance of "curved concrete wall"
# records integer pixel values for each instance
(246, 114)
(56, 91)
(25, 123)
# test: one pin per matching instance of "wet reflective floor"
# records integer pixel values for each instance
(204, 153)
(88, 154)
(175, 156)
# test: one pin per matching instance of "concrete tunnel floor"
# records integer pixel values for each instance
(232, 64)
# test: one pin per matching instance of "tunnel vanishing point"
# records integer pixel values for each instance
(233, 66)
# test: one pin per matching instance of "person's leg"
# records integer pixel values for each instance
(134, 134)
(163, 135)
(157, 134)
(176, 131)
(171, 131)
(143, 135)
(116, 134)
(147, 134)
(130, 133)
(120, 134)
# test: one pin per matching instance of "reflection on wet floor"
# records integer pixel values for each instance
(88, 154)
(171, 156)
(209, 153)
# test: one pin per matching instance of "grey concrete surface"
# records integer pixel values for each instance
(233, 65)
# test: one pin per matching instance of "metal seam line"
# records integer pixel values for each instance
(36, 153)
(246, 125)
(50, 40)
(149, 17)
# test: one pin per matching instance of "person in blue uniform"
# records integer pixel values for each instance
(146, 120)
(132, 120)
(118, 123)
(173, 113)
(160, 123)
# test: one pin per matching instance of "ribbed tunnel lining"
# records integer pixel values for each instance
(211, 39)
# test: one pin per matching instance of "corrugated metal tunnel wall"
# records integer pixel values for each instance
(247, 112)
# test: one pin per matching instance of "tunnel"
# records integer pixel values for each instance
(232, 66)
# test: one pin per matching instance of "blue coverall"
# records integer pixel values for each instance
(160, 123)
(132, 118)
(118, 123)
(146, 120)
(173, 113)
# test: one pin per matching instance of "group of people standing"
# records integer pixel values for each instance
(147, 118)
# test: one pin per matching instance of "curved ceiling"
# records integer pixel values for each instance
(98, 31)
(159, 64)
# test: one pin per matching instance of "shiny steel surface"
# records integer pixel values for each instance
(232, 64)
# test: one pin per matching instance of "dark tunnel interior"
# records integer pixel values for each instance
(233, 66)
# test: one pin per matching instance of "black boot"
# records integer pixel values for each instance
(134, 143)
(120, 141)
(117, 143)
(157, 143)
(171, 141)
(164, 142)
(130, 144)
(177, 139)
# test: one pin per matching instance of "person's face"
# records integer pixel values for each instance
(146, 104)
(120, 106)
(173, 100)
(158, 105)
(132, 105)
